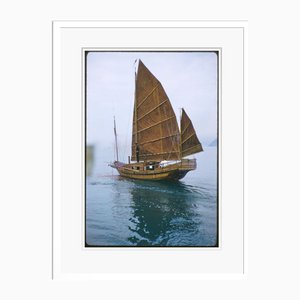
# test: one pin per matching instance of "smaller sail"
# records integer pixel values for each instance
(190, 143)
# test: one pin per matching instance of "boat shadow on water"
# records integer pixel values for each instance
(165, 213)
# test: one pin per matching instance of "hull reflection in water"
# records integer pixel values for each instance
(124, 212)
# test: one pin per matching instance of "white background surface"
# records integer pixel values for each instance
(272, 151)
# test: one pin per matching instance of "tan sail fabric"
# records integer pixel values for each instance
(155, 128)
(189, 141)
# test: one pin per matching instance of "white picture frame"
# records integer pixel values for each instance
(70, 258)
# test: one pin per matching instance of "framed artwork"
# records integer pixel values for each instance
(148, 148)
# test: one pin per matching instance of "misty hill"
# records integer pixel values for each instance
(214, 143)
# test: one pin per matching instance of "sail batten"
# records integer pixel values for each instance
(184, 130)
(189, 137)
(190, 143)
(192, 150)
(155, 124)
(154, 108)
(156, 134)
(165, 153)
(147, 96)
(158, 139)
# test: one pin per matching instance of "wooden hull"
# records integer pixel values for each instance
(171, 172)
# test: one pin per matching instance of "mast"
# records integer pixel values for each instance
(116, 139)
(135, 106)
(137, 150)
(180, 143)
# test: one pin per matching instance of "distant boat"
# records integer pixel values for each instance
(158, 146)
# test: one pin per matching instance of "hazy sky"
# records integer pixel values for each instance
(189, 79)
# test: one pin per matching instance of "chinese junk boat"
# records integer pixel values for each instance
(158, 146)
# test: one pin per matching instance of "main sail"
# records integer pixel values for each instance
(190, 143)
(155, 131)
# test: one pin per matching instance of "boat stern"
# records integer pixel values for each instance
(116, 164)
(188, 164)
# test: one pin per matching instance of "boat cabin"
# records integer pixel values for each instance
(145, 166)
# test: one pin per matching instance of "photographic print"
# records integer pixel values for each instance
(151, 148)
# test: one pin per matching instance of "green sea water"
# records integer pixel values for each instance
(124, 212)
